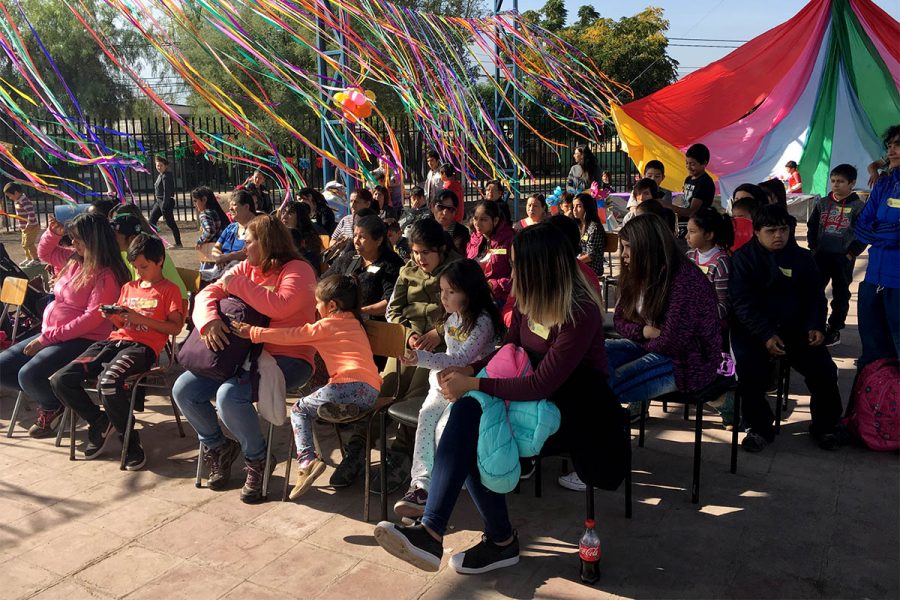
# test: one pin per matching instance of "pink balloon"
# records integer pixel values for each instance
(358, 98)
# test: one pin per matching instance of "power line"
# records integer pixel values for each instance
(685, 39)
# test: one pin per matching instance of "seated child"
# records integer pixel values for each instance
(645, 189)
(472, 326)
(565, 204)
(395, 236)
(340, 339)
(779, 309)
(147, 312)
(832, 239)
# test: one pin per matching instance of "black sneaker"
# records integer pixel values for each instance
(99, 435)
(486, 556)
(412, 544)
(218, 462)
(754, 442)
(350, 468)
(832, 337)
(412, 505)
(135, 459)
(398, 474)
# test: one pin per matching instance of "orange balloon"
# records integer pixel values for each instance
(364, 111)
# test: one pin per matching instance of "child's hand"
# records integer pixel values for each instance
(775, 346)
(55, 226)
(429, 341)
(816, 338)
(410, 358)
(413, 341)
(651, 332)
(242, 330)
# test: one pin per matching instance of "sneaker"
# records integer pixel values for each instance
(338, 413)
(398, 474)
(308, 472)
(412, 505)
(826, 441)
(832, 337)
(350, 468)
(218, 463)
(413, 544)
(99, 436)
(486, 556)
(527, 467)
(252, 492)
(135, 458)
(572, 482)
(46, 424)
(753, 442)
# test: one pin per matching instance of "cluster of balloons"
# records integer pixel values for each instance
(553, 199)
(355, 103)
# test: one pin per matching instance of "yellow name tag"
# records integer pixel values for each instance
(538, 329)
(373, 269)
(847, 210)
(786, 272)
(584, 238)
(894, 202)
(704, 268)
(498, 251)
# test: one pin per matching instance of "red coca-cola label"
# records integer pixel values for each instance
(589, 553)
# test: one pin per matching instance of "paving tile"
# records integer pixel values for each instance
(127, 570)
(374, 582)
(78, 547)
(227, 505)
(186, 582)
(254, 591)
(70, 590)
(244, 551)
(187, 535)
(21, 579)
(304, 571)
(138, 516)
(291, 520)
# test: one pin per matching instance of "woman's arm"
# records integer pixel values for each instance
(50, 251)
(375, 310)
(294, 288)
(627, 329)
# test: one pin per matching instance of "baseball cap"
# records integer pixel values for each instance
(127, 225)
(334, 185)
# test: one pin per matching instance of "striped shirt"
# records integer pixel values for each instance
(716, 265)
(25, 209)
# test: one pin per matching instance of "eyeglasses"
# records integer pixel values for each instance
(444, 207)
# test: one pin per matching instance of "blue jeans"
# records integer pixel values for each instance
(31, 374)
(879, 322)
(636, 375)
(455, 462)
(234, 402)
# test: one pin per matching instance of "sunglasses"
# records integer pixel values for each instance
(444, 207)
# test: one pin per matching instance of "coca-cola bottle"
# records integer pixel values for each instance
(589, 552)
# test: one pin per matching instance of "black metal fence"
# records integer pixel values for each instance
(142, 139)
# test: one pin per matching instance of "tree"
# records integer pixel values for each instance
(587, 15)
(555, 15)
(99, 87)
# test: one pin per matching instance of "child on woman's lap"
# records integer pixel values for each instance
(472, 325)
(341, 341)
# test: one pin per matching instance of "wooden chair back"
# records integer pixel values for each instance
(386, 339)
(13, 291)
(191, 279)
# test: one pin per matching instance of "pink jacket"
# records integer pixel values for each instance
(496, 264)
(74, 313)
(286, 296)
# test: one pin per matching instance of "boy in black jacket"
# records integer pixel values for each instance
(833, 242)
(779, 309)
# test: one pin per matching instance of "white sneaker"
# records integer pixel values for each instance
(572, 482)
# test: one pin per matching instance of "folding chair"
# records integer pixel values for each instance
(611, 245)
(156, 378)
(12, 295)
(191, 279)
(711, 392)
(389, 340)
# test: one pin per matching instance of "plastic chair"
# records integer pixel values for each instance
(388, 340)
(155, 378)
(12, 295)
(711, 392)
(191, 279)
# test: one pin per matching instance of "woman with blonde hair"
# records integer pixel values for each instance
(558, 321)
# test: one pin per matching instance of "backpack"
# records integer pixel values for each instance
(224, 364)
(875, 417)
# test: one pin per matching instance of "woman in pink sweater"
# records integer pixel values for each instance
(276, 282)
(89, 274)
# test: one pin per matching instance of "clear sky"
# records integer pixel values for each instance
(708, 19)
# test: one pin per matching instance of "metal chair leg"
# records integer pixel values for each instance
(337, 432)
(15, 414)
(287, 469)
(665, 406)
(538, 477)
(641, 425)
(177, 414)
(63, 423)
(687, 412)
(129, 424)
(198, 482)
(695, 486)
(787, 385)
(267, 474)
(368, 478)
(73, 417)
(628, 501)
(734, 430)
(780, 394)
(383, 465)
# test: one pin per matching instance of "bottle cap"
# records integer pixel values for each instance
(589, 523)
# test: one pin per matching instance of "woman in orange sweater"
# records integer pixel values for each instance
(341, 341)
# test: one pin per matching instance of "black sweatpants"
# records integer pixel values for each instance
(122, 359)
(166, 210)
(752, 362)
(838, 269)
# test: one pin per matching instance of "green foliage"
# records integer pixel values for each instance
(100, 88)
(555, 15)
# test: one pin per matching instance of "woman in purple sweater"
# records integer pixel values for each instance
(667, 315)
(558, 321)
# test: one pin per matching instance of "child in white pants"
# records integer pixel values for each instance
(472, 325)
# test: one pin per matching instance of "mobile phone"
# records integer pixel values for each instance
(113, 308)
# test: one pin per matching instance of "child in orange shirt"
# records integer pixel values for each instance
(341, 341)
